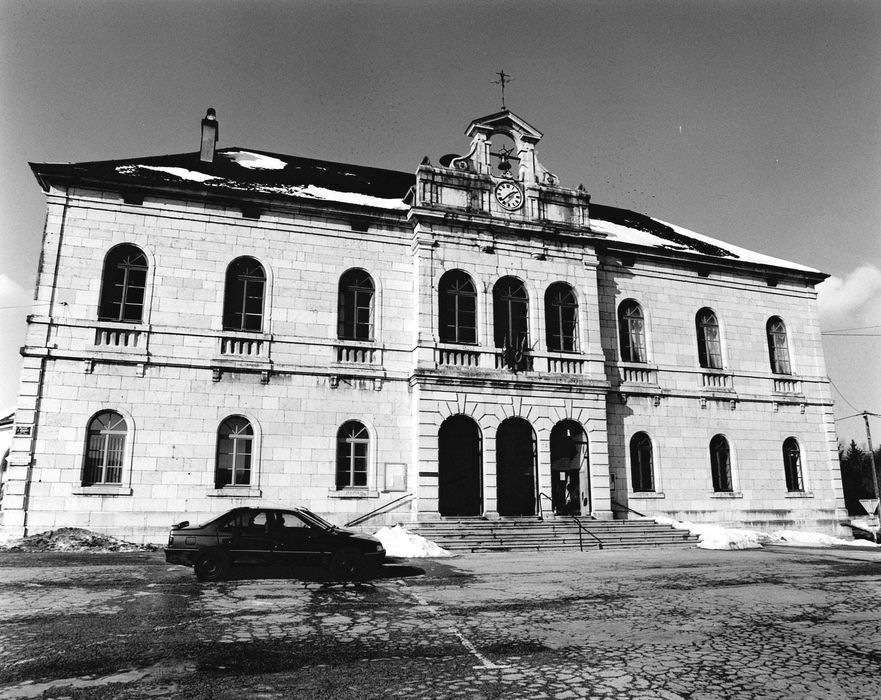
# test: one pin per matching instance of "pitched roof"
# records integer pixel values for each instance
(239, 171)
(242, 171)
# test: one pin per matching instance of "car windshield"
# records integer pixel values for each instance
(309, 516)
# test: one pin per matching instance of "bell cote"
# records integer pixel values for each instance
(500, 178)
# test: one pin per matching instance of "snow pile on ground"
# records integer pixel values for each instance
(813, 539)
(720, 537)
(73, 539)
(399, 542)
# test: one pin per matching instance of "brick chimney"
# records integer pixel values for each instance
(210, 134)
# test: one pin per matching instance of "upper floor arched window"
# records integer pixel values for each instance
(792, 465)
(235, 440)
(561, 318)
(709, 340)
(123, 285)
(356, 294)
(457, 306)
(778, 346)
(244, 295)
(105, 449)
(510, 313)
(631, 328)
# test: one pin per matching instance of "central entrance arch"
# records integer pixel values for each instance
(516, 463)
(568, 455)
(460, 471)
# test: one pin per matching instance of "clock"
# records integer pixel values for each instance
(509, 195)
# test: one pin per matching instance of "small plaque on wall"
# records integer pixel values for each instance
(395, 476)
(24, 430)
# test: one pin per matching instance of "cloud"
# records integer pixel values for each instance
(13, 294)
(854, 301)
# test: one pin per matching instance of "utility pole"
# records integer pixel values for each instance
(872, 467)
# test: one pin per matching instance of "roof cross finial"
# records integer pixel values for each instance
(504, 78)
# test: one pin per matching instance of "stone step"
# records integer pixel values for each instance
(532, 534)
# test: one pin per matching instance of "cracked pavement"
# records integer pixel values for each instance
(650, 623)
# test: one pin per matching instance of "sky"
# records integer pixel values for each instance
(754, 122)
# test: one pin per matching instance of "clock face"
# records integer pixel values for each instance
(509, 195)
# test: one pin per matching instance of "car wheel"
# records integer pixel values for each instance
(347, 565)
(210, 566)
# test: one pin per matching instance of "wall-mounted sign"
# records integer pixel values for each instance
(24, 430)
(395, 476)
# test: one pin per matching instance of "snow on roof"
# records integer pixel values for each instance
(247, 171)
(638, 229)
(182, 173)
(258, 161)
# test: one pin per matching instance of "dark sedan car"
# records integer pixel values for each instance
(272, 537)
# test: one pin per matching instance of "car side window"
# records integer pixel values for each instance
(237, 521)
(259, 520)
(291, 521)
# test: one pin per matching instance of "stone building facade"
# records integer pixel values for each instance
(475, 340)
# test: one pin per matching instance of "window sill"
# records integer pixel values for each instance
(352, 493)
(235, 492)
(726, 494)
(646, 494)
(799, 494)
(102, 490)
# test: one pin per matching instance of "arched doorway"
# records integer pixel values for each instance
(460, 471)
(568, 454)
(516, 461)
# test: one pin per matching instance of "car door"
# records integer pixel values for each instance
(297, 543)
(251, 541)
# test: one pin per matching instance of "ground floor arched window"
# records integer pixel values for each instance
(642, 472)
(105, 449)
(720, 463)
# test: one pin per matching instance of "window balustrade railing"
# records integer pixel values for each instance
(565, 365)
(242, 347)
(117, 338)
(639, 375)
(785, 385)
(449, 357)
(355, 354)
(717, 380)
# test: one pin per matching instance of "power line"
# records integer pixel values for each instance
(843, 396)
(861, 328)
(854, 335)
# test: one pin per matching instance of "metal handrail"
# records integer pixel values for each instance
(635, 512)
(581, 528)
(541, 495)
(376, 511)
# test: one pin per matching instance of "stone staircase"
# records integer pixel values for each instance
(554, 534)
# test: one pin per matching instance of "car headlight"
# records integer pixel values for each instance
(379, 547)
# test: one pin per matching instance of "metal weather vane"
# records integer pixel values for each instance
(503, 80)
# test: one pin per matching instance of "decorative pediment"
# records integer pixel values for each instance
(505, 122)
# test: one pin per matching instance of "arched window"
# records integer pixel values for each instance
(631, 326)
(561, 318)
(457, 306)
(720, 463)
(778, 348)
(355, 321)
(792, 465)
(105, 448)
(352, 447)
(243, 299)
(123, 285)
(510, 313)
(235, 442)
(642, 473)
(709, 342)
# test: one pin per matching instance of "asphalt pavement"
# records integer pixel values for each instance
(651, 623)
